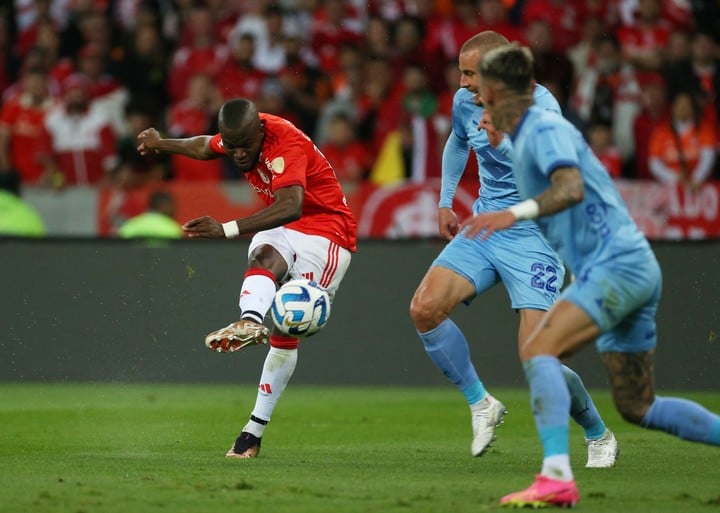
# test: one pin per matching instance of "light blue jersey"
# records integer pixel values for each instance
(618, 280)
(497, 185)
(600, 226)
(520, 257)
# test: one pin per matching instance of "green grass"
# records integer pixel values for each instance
(160, 448)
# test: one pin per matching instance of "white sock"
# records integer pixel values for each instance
(256, 296)
(277, 371)
(557, 467)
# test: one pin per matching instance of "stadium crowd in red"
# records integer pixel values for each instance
(80, 78)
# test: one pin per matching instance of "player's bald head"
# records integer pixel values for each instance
(239, 116)
(483, 42)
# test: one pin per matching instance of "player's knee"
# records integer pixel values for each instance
(424, 313)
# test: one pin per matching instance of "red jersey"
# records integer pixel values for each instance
(288, 157)
(26, 126)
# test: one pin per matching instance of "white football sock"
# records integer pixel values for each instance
(277, 371)
(557, 467)
(256, 296)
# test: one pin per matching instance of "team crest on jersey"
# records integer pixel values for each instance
(277, 166)
(265, 178)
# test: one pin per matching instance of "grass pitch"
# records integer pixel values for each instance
(160, 448)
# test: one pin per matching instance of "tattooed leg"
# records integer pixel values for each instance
(631, 379)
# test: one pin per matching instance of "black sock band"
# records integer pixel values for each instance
(253, 316)
(259, 421)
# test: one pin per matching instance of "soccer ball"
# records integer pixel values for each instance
(300, 308)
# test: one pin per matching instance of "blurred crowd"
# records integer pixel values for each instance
(81, 78)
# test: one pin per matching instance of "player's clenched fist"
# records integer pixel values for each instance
(148, 141)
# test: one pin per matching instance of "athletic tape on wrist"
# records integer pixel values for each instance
(231, 229)
(528, 209)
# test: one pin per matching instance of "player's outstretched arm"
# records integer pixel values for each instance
(286, 208)
(197, 147)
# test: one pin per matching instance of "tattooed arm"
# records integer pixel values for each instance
(566, 189)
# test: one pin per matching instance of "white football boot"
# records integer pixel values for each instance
(486, 416)
(602, 452)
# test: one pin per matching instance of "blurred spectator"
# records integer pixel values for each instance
(421, 148)
(44, 55)
(31, 15)
(682, 150)
(581, 54)
(378, 38)
(677, 49)
(81, 138)
(443, 116)
(225, 16)
(608, 92)
(645, 39)
(447, 35)
(268, 26)
(22, 133)
(351, 60)
(9, 61)
(380, 106)
(17, 217)
(602, 10)
(700, 74)
(494, 16)
(336, 23)
(409, 35)
(273, 100)
(106, 93)
(707, 17)
(676, 13)
(549, 63)
(347, 97)
(564, 18)
(348, 156)
(142, 65)
(654, 112)
(99, 29)
(601, 143)
(203, 54)
(194, 115)
(87, 23)
(305, 86)
(158, 222)
(131, 14)
(568, 110)
(239, 78)
(270, 49)
(135, 170)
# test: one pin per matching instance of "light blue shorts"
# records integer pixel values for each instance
(520, 257)
(621, 295)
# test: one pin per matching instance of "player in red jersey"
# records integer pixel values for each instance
(306, 230)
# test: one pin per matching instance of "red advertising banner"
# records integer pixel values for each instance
(673, 212)
(409, 210)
